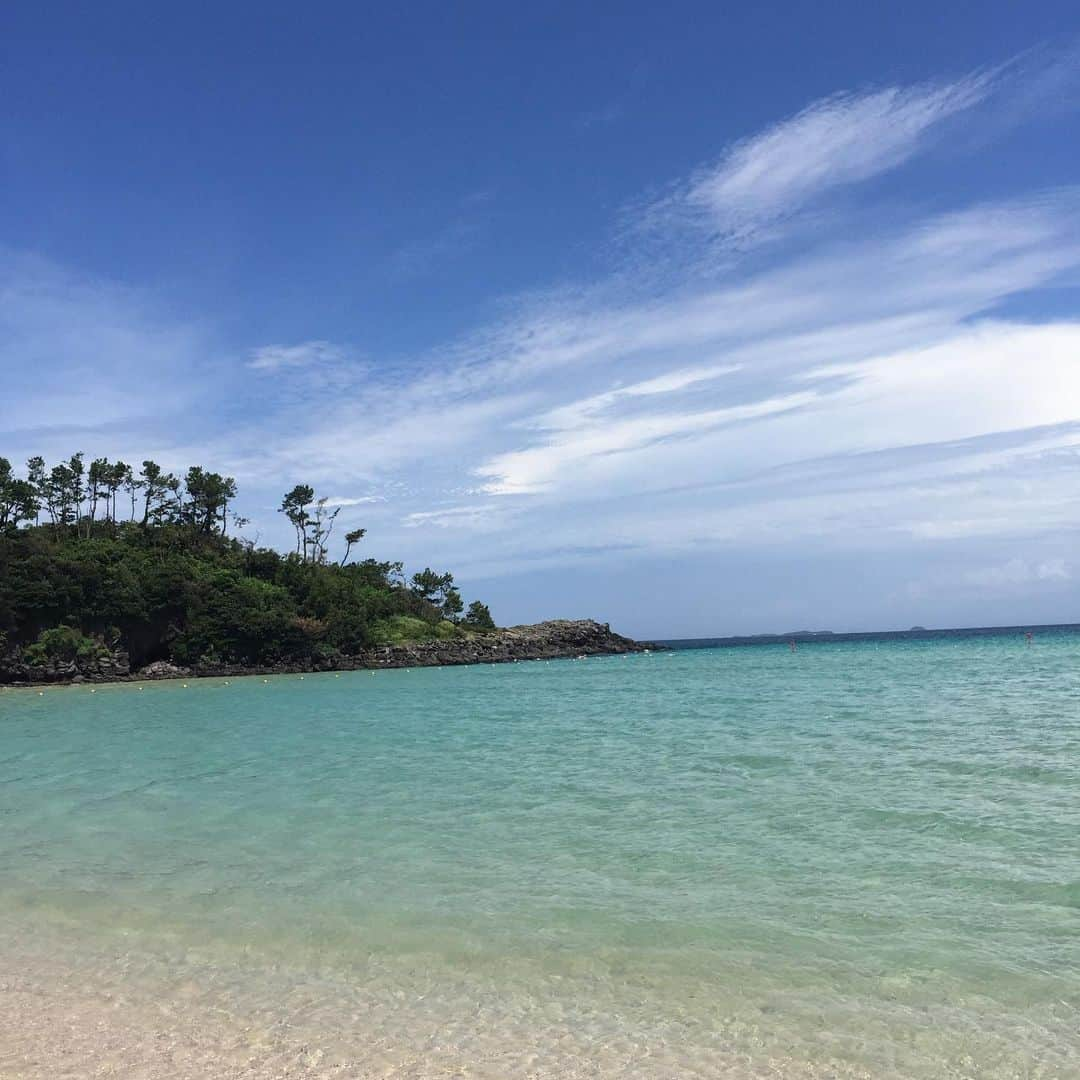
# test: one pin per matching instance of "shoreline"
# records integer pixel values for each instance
(558, 639)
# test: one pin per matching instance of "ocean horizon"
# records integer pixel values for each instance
(850, 861)
(825, 637)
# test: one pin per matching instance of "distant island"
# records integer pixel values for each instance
(107, 572)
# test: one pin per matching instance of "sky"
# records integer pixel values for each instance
(699, 319)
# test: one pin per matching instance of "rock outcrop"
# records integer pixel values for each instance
(560, 638)
(164, 669)
(110, 667)
(543, 641)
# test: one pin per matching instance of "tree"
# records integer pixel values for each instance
(352, 537)
(208, 499)
(438, 589)
(321, 525)
(428, 585)
(62, 491)
(97, 479)
(295, 507)
(75, 464)
(478, 617)
(452, 604)
(156, 486)
(118, 476)
(172, 509)
(52, 490)
(18, 498)
(132, 484)
(35, 476)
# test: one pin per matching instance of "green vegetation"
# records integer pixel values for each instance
(401, 628)
(104, 556)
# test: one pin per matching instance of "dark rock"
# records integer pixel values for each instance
(108, 667)
(163, 669)
(558, 639)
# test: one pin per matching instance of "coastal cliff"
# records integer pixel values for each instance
(556, 639)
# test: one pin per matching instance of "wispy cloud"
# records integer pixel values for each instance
(841, 140)
(448, 244)
(306, 354)
(82, 353)
(857, 315)
(357, 500)
(474, 516)
(1016, 572)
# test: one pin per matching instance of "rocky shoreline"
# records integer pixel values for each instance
(556, 639)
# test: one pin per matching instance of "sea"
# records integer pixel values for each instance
(860, 858)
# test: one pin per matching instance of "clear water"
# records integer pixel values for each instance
(857, 859)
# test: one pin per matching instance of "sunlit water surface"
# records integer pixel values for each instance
(853, 860)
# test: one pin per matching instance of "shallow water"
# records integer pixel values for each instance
(857, 859)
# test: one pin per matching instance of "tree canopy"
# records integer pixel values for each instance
(100, 554)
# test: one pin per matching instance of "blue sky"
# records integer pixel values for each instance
(699, 318)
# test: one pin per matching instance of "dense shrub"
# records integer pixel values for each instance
(162, 596)
(64, 643)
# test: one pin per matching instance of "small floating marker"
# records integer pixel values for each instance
(301, 678)
(185, 686)
(41, 693)
(92, 690)
(266, 680)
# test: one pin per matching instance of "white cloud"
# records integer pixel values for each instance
(339, 500)
(472, 516)
(843, 139)
(881, 329)
(578, 412)
(1016, 572)
(271, 358)
(541, 467)
(74, 349)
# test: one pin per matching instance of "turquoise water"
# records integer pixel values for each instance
(857, 859)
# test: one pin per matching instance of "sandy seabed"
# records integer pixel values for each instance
(67, 1012)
